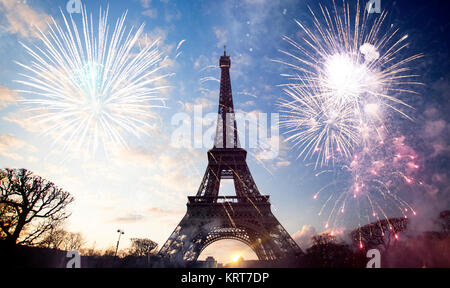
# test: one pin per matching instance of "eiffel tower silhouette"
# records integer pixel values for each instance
(245, 217)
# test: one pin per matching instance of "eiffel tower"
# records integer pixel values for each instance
(245, 217)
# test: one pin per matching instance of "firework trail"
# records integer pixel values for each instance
(90, 85)
(342, 99)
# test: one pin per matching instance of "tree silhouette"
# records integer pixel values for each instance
(379, 234)
(29, 206)
(54, 238)
(326, 252)
(444, 221)
(59, 238)
(142, 246)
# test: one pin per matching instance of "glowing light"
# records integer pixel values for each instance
(236, 257)
(372, 109)
(345, 78)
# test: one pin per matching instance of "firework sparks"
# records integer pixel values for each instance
(371, 184)
(89, 88)
(345, 92)
(348, 76)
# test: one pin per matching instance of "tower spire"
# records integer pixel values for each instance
(226, 132)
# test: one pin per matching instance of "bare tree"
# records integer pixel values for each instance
(327, 252)
(59, 238)
(73, 241)
(53, 237)
(29, 206)
(91, 251)
(323, 239)
(142, 246)
(379, 234)
(111, 251)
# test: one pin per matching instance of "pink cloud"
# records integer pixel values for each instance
(7, 96)
(8, 143)
(434, 128)
(21, 18)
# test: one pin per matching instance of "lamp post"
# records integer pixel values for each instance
(121, 232)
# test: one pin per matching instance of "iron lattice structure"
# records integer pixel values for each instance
(246, 217)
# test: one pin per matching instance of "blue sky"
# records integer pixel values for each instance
(143, 189)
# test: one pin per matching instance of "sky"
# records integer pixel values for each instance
(142, 189)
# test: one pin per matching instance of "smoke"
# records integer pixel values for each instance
(425, 250)
(369, 51)
(303, 236)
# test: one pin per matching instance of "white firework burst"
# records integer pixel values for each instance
(91, 85)
(348, 75)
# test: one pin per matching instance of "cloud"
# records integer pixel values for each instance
(434, 128)
(204, 102)
(9, 144)
(55, 170)
(21, 18)
(24, 119)
(7, 96)
(175, 182)
(164, 212)
(145, 3)
(248, 103)
(152, 13)
(239, 63)
(259, 2)
(172, 14)
(304, 235)
(8, 141)
(159, 35)
(137, 156)
(221, 35)
(130, 218)
(283, 163)
(202, 61)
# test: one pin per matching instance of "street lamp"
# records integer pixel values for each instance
(121, 232)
